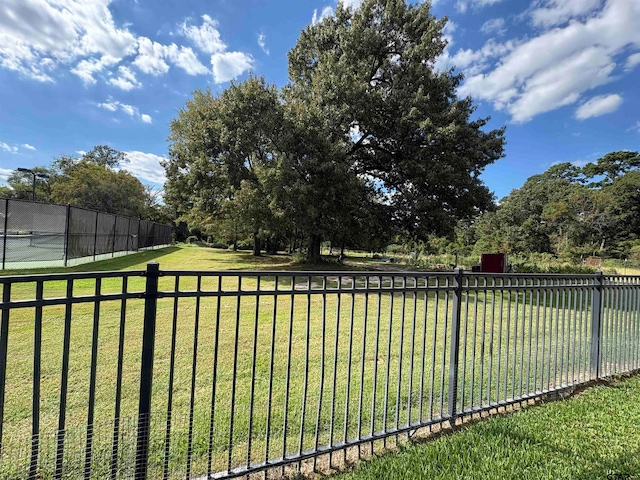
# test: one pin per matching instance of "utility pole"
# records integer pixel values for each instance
(33, 183)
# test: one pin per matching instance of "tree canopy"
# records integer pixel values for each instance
(569, 211)
(97, 180)
(367, 139)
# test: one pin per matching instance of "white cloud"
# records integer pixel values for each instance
(37, 36)
(8, 148)
(326, 12)
(495, 26)
(129, 110)
(150, 57)
(463, 5)
(262, 43)
(543, 73)
(449, 28)
(86, 69)
(28, 147)
(81, 152)
(146, 166)
(206, 37)
(351, 3)
(111, 106)
(442, 62)
(599, 106)
(473, 62)
(126, 79)
(229, 65)
(5, 173)
(114, 105)
(635, 128)
(184, 58)
(549, 13)
(632, 61)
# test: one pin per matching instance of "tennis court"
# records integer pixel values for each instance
(36, 234)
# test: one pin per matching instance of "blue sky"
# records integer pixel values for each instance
(561, 74)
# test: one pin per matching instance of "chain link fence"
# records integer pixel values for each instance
(36, 234)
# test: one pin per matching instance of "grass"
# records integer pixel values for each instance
(177, 257)
(341, 332)
(594, 435)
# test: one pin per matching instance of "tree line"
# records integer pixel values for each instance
(568, 211)
(97, 180)
(367, 141)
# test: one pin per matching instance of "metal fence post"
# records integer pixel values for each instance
(4, 338)
(6, 224)
(128, 236)
(146, 370)
(113, 243)
(66, 235)
(138, 244)
(596, 327)
(455, 345)
(95, 236)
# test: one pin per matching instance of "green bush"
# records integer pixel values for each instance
(192, 239)
(634, 254)
(395, 248)
(556, 267)
(245, 244)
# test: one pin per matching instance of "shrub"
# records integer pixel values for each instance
(634, 254)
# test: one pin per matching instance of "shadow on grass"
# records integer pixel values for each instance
(245, 260)
(498, 447)
(619, 467)
(124, 262)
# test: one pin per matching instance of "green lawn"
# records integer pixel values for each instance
(341, 331)
(179, 257)
(592, 436)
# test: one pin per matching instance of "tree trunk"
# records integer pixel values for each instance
(313, 253)
(235, 237)
(272, 246)
(256, 244)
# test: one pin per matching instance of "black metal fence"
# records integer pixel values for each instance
(194, 374)
(40, 234)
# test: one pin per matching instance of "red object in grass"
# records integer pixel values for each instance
(494, 262)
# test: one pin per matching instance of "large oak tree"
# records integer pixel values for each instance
(367, 130)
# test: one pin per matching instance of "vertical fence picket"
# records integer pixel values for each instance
(4, 233)
(60, 434)
(455, 344)
(35, 402)
(92, 381)
(146, 370)
(596, 327)
(4, 339)
(194, 364)
(118, 399)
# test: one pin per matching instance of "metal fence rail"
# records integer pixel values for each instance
(167, 374)
(36, 234)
